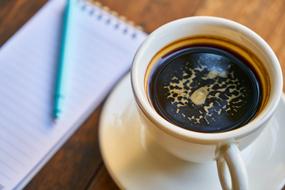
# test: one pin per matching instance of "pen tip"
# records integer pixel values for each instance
(56, 115)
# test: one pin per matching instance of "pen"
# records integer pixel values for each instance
(60, 85)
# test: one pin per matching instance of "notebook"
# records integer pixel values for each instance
(101, 50)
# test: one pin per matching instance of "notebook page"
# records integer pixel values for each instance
(101, 51)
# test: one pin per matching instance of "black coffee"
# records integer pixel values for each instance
(204, 89)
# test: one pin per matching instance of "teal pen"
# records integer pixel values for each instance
(60, 83)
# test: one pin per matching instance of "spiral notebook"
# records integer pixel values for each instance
(101, 50)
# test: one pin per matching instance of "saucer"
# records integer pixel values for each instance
(136, 162)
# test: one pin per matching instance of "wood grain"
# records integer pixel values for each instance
(78, 164)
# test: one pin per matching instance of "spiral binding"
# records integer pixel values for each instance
(88, 6)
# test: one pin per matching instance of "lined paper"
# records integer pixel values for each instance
(100, 52)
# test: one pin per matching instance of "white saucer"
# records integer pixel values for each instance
(134, 162)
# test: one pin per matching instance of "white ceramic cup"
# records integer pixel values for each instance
(224, 147)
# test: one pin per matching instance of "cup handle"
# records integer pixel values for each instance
(230, 156)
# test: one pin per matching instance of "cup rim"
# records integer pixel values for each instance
(202, 137)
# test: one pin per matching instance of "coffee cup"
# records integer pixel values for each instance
(223, 147)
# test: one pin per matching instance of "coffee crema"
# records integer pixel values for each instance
(206, 84)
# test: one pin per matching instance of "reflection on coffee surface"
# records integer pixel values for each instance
(205, 89)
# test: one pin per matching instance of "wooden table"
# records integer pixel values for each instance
(78, 164)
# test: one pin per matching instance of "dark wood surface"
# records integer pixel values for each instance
(78, 164)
